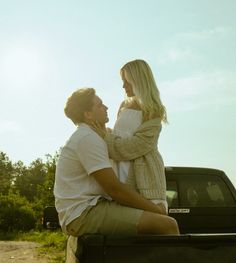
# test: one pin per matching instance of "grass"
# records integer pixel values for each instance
(53, 242)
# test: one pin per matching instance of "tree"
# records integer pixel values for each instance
(27, 180)
(31, 185)
(6, 173)
(16, 213)
(46, 195)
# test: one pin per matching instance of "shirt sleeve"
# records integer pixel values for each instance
(93, 154)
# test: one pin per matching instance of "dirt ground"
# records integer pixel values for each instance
(21, 251)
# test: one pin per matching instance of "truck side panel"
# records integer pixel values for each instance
(154, 249)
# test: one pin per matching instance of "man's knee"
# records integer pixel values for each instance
(151, 223)
(172, 226)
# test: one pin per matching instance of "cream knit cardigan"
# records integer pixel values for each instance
(146, 172)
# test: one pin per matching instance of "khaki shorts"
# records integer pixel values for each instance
(106, 217)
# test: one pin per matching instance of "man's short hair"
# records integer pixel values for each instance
(78, 103)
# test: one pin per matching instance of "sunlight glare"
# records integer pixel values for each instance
(22, 67)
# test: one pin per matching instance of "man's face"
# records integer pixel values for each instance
(98, 111)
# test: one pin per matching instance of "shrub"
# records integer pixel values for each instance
(16, 213)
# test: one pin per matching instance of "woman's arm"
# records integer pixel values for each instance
(142, 142)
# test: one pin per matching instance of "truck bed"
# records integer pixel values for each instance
(203, 201)
(194, 248)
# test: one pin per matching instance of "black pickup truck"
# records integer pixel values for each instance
(203, 201)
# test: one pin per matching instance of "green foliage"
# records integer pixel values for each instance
(55, 239)
(28, 179)
(46, 189)
(25, 191)
(53, 243)
(6, 173)
(16, 213)
(8, 235)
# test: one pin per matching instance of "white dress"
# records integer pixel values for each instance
(126, 124)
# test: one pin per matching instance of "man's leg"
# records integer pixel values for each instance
(71, 248)
(151, 223)
(104, 218)
(111, 218)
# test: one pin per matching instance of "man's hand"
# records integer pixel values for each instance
(162, 209)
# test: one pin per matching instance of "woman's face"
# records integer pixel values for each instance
(127, 86)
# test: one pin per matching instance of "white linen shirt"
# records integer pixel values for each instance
(74, 189)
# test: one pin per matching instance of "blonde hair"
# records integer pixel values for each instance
(147, 96)
(78, 103)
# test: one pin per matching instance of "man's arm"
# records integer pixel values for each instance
(122, 193)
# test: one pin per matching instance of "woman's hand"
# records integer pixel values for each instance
(99, 129)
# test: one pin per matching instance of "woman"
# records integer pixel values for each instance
(133, 141)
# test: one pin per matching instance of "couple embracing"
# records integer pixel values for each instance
(113, 181)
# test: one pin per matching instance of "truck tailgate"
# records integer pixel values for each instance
(192, 248)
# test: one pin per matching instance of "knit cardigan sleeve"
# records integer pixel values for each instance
(142, 142)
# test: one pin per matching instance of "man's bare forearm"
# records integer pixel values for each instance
(129, 197)
(122, 193)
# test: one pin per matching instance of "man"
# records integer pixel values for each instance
(89, 197)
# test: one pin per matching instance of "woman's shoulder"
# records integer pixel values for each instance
(130, 104)
(122, 105)
(129, 110)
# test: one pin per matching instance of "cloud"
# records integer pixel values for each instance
(176, 55)
(186, 44)
(217, 32)
(215, 89)
(10, 127)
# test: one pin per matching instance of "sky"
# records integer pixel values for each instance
(49, 48)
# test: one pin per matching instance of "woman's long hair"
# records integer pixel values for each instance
(147, 96)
